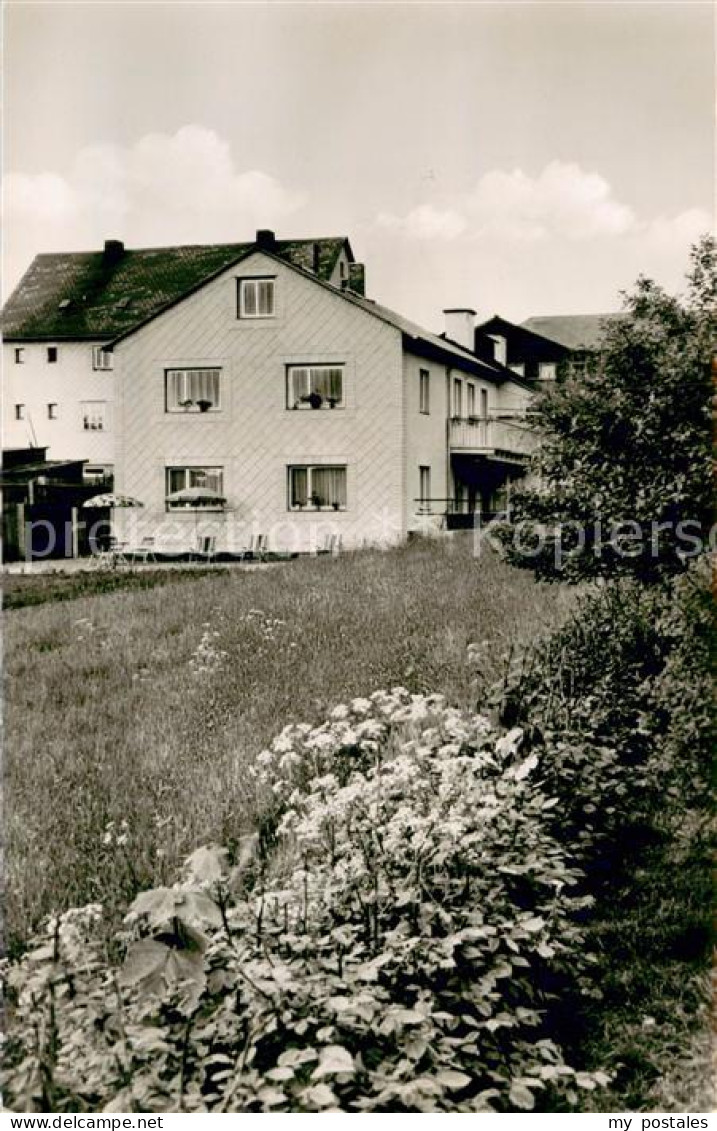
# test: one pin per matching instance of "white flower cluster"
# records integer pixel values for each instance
(207, 658)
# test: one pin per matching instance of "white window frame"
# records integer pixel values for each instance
(187, 469)
(294, 398)
(551, 367)
(310, 469)
(424, 392)
(188, 372)
(86, 410)
(457, 399)
(102, 358)
(255, 282)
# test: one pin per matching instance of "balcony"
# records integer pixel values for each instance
(492, 437)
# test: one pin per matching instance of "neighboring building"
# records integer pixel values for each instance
(309, 408)
(539, 348)
(58, 385)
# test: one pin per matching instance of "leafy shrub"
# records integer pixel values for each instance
(394, 939)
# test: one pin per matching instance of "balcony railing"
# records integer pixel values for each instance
(492, 435)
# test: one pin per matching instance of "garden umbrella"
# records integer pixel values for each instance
(110, 501)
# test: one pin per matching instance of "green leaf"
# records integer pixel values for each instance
(521, 1097)
(334, 1060)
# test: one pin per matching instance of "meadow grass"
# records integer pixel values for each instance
(131, 717)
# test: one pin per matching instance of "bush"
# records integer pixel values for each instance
(393, 939)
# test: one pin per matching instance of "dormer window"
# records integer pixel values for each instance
(101, 358)
(256, 298)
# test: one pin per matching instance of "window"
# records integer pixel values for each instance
(484, 404)
(317, 486)
(457, 397)
(19, 355)
(195, 478)
(96, 473)
(547, 371)
(51, 355)
(518, 367)
(94, 415)
(424, 487)
(192, 390)
(101, 358)
(19, 412)
(256, 298)
(315, 386)
(471, 399)
(52, 412)
(424, 392)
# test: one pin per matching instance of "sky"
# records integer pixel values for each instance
(518, 158)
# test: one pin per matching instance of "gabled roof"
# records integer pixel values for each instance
(96, 296)
(431, 345)
(574, 331)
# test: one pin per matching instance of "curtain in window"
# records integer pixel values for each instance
(299, 486)
(328, 485)
(249, 298)
(186, 387)
(327, 383)
(265, 296)
(299, 385)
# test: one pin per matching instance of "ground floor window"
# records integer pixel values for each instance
(424, 487)
(317, 486)
(203, 487)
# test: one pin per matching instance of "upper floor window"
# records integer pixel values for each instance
(19, 412)
(94, 416)
(317, 486)
(195, 486)
(19, 355)
(52, 411)
(518, 367)
(484, 404)
(470, 399)
(315, 386)
(52, 354)
(457, 397)
(192, 390)
(256, 298)
(424, 391)
(101, 358)
(547, 371)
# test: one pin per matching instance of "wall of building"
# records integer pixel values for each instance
(425, 445)
(255, 436)
(66, 383)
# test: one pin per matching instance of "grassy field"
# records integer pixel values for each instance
(21, 590)
(131, 716)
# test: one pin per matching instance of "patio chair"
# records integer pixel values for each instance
(331, 545)
(146, 551)
(257, 549)
(206, 550)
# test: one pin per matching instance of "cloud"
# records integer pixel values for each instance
(175, 188)
(426, 223)
(563, 202)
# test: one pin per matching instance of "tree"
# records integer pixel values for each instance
(623, 478)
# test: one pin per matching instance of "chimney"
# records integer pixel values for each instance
(265, 239)
(459, 326)
(357, 279)
(113, 252)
